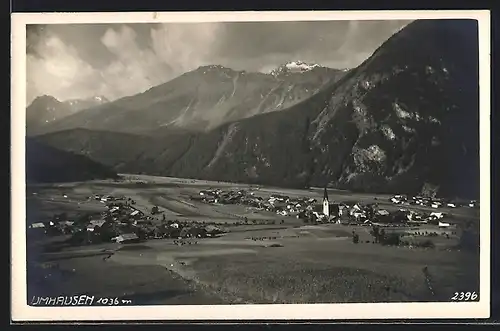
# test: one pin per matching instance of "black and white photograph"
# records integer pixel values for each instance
(223, 165)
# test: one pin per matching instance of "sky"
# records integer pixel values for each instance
(116, 60)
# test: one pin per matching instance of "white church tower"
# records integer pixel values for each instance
(326, 204)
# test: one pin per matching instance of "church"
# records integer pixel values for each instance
(327, 211)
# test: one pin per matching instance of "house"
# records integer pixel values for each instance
(443, 224)
(398, 199)
(415, 216)
(357, 212)
(66, 226)
(94, 223)
(382, 212)
(126, 238)
(342, 208)
(473, 204)
(436, 215)
(37, 225)
(395, 200)
(436, 204)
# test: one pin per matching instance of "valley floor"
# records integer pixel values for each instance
(287, 262)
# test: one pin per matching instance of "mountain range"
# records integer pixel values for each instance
(47, 109)
(202, 99)
(405, 120)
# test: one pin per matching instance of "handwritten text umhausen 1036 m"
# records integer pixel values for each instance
(76, 300)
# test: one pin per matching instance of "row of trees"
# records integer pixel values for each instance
(389, 239)
(469, 239)
(380, 237)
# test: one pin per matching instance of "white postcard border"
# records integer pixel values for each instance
(23, 312)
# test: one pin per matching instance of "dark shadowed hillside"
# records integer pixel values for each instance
(45, 164)
(202, 99)
(405, 120)
(123, 151)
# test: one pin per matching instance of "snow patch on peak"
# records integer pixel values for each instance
(300, 66)
(294, 67)
(101, 99)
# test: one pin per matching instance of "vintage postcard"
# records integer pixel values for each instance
(250, 165)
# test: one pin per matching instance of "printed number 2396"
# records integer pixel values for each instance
(464, 296)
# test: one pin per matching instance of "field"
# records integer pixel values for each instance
(285, 262)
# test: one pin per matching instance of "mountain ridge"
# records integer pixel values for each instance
(200, 100)
(46, 109)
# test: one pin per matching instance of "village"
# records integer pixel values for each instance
(386, 227)
(310, 211)
(123, 222)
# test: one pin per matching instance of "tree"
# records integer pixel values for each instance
(393, 239)
(141, 233)
(375, 232)
(154, 210)
(370, 212)
(106, 232)
(355, 238)
(382, 235)
(469, 239)
(427, 244)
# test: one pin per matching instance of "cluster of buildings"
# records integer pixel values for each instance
(311, 211)
(401, 199)
(122, 222)
(280, 204)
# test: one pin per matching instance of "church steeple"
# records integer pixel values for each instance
(326, 204)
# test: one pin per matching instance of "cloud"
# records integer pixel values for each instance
(185, 46)
(116, 60)
(134, 68)
(56, 68)
(338, 44)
